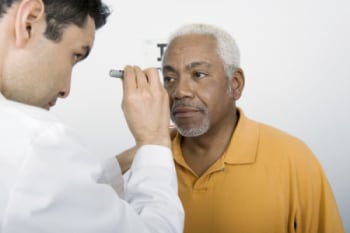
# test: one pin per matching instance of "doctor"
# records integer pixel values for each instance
(49, 181)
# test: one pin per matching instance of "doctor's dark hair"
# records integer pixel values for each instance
(62, 13)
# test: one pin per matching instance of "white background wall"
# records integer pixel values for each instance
(296, 58)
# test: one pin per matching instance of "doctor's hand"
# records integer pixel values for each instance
(126, 157)
(146, 106)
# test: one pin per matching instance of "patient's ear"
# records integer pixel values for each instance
(30, 19)
(237, 84)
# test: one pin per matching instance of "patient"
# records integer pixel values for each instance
(236, 174)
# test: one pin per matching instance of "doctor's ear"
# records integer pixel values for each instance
(30, 18)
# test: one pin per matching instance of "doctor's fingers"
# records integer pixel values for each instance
(153, 79)
(134, 79)
(141, 78)
(129, 80)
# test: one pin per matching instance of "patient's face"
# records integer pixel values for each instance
(197, 84)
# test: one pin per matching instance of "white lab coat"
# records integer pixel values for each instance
(50, 182)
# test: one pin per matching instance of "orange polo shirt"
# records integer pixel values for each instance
(265, 182)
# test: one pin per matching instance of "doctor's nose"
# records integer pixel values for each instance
(64, 92)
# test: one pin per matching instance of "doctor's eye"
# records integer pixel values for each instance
(77, 57)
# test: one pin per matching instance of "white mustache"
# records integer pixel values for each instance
(187, 103)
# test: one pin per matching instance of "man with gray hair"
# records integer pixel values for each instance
(236, 174)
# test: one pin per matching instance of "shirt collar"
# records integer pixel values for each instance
(177, 152)
(244, 142)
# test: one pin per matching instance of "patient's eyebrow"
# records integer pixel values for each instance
(188, 66)
(196, 64)
(168, 68)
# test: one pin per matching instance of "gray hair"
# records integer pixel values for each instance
(227, 48)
